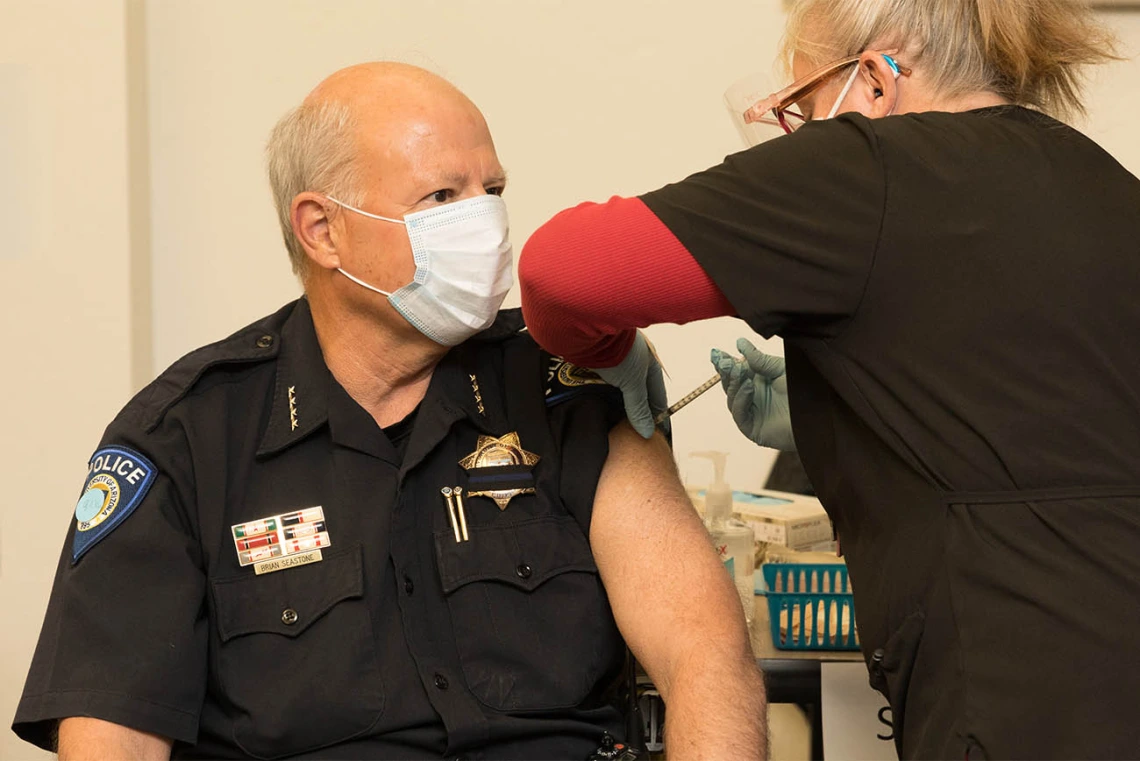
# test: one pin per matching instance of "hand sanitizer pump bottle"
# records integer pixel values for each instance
(734, 540)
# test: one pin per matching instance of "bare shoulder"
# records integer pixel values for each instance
(644, 470)
(641, 507)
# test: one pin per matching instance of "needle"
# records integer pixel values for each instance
(684, 402)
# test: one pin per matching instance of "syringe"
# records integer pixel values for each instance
(686, 400)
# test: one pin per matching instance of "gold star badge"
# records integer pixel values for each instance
(491, 452)
(500, 452)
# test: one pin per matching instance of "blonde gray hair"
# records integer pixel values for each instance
(1031, 52)
(311, 149)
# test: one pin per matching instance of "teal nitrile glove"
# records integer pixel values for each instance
(757, 391)
(642, 385)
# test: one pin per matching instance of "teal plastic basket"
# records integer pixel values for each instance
(810, 606)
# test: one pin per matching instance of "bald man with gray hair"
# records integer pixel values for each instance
(382, 522)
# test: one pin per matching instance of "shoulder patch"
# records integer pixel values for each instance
(117, 480)
(564, 380)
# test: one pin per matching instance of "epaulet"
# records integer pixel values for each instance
(259, 342)
(565, 380)
(508, 323)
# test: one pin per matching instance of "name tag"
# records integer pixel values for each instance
(269, 566)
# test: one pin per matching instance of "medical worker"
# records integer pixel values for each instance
(955, 274)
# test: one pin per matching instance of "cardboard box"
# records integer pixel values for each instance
(789, 520)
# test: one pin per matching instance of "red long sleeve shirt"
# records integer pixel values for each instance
(596, 272)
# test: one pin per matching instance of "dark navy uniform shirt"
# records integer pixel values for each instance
(399, 642)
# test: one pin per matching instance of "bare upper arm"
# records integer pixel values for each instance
(81, 737)
(669, 591)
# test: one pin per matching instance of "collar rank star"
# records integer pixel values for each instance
(282, 541)
(499, 469)
(478, 396)
(292, 408)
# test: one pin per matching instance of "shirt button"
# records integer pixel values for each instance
(523, 571)
(289, 616)
(441, 682)
(877, 662)
(265, 342)
(409, 587)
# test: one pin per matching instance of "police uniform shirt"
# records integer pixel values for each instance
(958, 298)
(400, 642)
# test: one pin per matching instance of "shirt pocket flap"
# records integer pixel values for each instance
(524, 554)
(288, 601)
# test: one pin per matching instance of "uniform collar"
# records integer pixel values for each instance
(471, 375)
(300, 392)
(466, 384)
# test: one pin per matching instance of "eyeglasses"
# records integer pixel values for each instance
(780, 104)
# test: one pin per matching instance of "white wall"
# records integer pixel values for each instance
(65, 314)
(1114, 95)
(585, 99)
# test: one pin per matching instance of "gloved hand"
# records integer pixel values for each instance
(757, 390)
(642, 385)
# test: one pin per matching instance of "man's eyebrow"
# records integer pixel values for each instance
(498, 179)
(460, 178)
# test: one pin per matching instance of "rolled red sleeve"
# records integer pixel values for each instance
(596, 272)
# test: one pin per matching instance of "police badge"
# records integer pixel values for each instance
(499, 469)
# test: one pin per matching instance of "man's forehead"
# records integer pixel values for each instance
(457, 152)
(456, 169)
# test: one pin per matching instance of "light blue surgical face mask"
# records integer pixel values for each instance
(463, 258)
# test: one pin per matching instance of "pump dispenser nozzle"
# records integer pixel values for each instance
(718, 497)
(733, 540)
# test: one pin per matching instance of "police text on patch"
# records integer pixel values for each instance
(119, 465)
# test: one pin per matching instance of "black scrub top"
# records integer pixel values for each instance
(959, 296)
(399, 642)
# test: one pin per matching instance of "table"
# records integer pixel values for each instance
(793, 676)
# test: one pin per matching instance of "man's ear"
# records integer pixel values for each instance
(313, 227)
(882, 85)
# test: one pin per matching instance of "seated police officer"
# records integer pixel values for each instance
(382, 523)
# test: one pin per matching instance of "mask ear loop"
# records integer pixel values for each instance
(843, 94)
(342, 204)
(357, 280)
